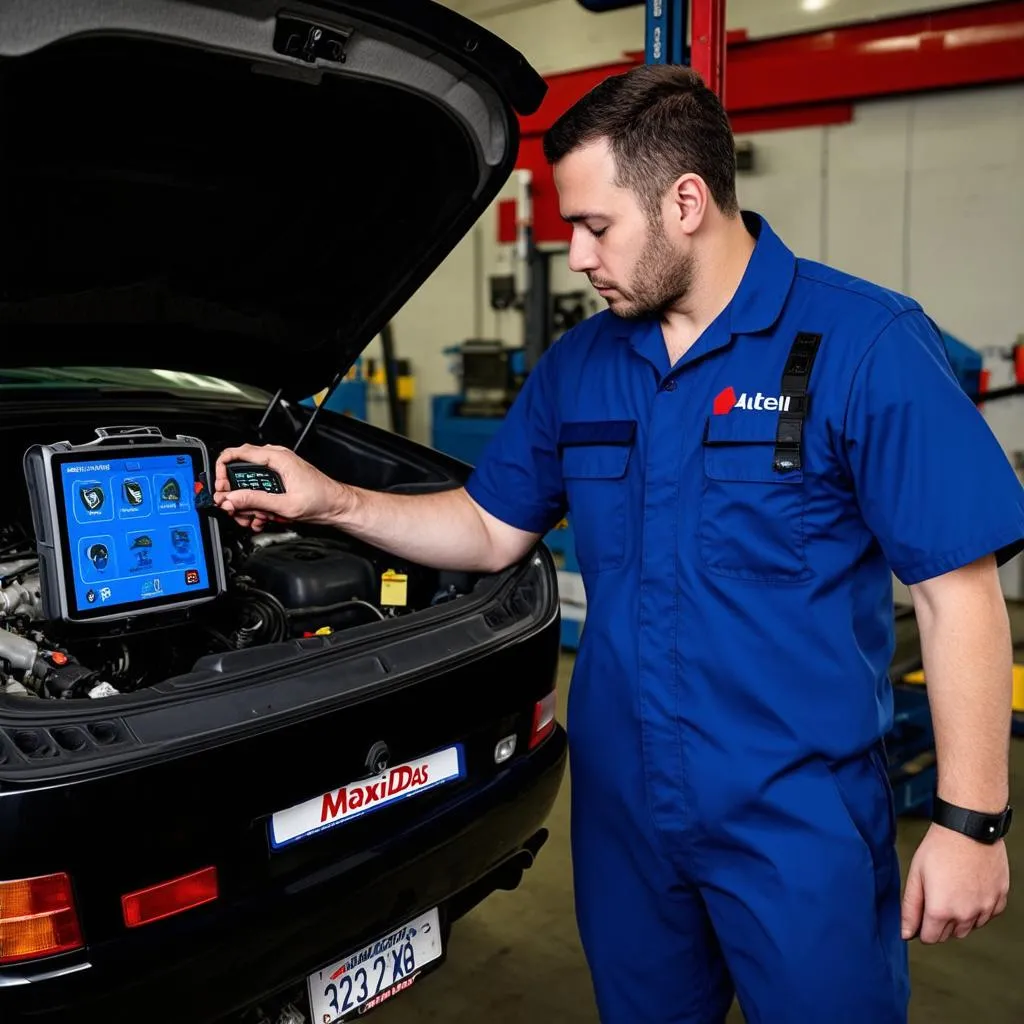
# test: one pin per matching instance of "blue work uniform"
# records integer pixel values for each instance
(733, 828)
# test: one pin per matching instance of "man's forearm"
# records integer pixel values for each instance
(443, 530)
(968, 664)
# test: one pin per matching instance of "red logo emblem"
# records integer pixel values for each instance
(724, 401)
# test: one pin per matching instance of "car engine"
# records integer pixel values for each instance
(281, 586)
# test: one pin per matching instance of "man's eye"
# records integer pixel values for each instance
(598, 232)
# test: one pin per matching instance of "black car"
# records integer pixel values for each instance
(241, 772)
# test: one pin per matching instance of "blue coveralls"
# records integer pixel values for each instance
(732, 823)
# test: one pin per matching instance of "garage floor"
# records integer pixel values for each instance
(518, 958)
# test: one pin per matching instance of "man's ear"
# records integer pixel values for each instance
(689, 199)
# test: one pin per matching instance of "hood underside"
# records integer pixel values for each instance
(227, 190)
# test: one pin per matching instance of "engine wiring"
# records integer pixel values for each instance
(282, 586)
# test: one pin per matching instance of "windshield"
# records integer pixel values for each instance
(135, 378)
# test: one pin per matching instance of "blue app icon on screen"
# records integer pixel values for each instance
(92, 502)
(140, 552)
(97, 559)
(133, 496)
(183, 546)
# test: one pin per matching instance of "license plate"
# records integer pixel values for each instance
(363, 980)
(365, 796)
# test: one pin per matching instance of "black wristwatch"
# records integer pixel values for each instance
(985, 828)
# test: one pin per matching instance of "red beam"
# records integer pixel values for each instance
(507, 226)
(791, 117)
(813, 79)
(976, 45)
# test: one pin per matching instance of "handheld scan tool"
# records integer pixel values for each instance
(253, 476)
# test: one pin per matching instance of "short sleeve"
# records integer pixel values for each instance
(519, 476)
(932, 481)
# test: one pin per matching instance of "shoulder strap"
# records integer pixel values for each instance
(795, 378)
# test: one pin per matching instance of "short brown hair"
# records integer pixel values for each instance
(661, 121)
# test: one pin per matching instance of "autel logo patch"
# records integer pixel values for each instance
(727, 400)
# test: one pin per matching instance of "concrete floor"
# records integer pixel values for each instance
(517, 957)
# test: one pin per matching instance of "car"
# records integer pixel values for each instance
(242, 775)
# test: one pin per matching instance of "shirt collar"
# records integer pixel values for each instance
(761, 296)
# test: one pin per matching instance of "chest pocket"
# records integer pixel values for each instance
(595, 463)
(751, 522)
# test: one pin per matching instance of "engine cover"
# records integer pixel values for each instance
(308, 575)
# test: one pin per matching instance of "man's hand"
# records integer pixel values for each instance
(446, 530)
(309, 496)
(955, 885)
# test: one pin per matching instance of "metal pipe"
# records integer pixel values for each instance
(21, 653)
(19, 595)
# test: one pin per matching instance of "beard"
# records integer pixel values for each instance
(661, 278)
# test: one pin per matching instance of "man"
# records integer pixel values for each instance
(749, 445)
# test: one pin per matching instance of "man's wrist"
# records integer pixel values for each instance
(984, 826)
(342, 505)
(986, 799)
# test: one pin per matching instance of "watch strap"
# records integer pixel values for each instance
(985, 828)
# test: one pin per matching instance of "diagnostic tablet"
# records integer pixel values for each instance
(117, 528)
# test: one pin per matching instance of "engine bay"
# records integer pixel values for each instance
(284, 583)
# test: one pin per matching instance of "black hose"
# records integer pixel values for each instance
(270, 620)
(220, 638)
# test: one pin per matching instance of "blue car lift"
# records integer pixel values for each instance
(666, 37)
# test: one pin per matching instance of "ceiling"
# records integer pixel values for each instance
(759, 18)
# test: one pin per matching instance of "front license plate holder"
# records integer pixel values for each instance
(361, 981)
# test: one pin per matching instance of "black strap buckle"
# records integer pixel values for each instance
(795, 402)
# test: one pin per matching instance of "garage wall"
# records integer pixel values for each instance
(920, 194)
(559, 35)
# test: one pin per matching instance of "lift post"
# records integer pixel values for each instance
(666, 38)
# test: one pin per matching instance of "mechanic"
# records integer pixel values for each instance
(749, 445)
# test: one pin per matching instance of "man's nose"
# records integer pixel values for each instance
(582, 257)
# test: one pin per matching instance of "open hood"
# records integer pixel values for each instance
(235, 187)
